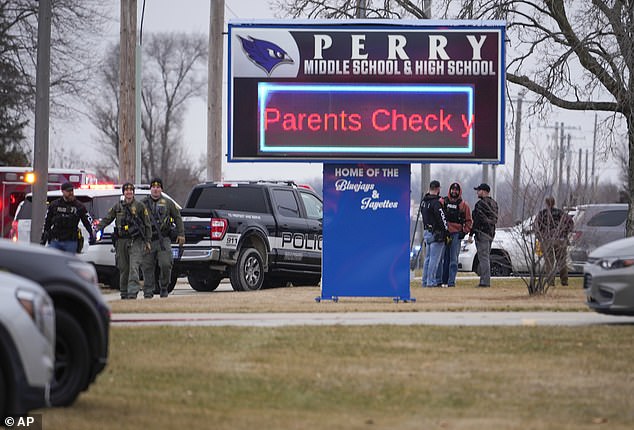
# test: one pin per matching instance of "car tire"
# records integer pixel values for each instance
(248, 273)
(500, 266)
(72, 360)
(3, 394)
(203, 283)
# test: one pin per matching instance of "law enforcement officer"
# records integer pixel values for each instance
(163, 213)
(459, 224)
(133, 231)
(435, 233)
(62, 217)
(485, 217)
(553, 226)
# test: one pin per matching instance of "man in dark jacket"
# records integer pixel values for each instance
(552, 226)
(435, 234)
(62, 218)
(485, 216)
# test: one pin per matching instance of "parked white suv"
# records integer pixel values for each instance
(507, 255)
(98, 199)
(27, 341)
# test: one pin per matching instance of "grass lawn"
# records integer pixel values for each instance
(504, 295)
(360, 377)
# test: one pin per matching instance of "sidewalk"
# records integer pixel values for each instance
(370, 318)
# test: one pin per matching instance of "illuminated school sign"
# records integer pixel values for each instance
(366, 91)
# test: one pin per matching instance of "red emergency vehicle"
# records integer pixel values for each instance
(16, 182)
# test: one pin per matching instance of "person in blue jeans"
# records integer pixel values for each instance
(435, 234)
(459, 224)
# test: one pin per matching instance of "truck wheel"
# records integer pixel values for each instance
(247, 274)
(203, 284)
(72, 360)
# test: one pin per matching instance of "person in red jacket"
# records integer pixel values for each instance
(459, 224)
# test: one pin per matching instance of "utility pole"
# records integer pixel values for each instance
(137, 101)
(214, 90)
(594, 152)
(42, 110)
(555, 156)
(425, 168)
(579, 194)
(558, 154)
(127, 91)
(568, 167)
(517, 161)
(585, 185)
(561, 163)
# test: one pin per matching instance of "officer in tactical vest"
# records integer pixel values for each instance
(163, 213)
(459, 224)
(133, 232)
(62, 217)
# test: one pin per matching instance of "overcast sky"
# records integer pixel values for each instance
(192, 16)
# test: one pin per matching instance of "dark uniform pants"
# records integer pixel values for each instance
(161, 257)
(555, 259)
(129, 259)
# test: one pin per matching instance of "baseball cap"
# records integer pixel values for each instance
(484, 187)
(67, 186)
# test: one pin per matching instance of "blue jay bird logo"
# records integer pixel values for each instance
(264, 54)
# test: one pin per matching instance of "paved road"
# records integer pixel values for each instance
(358, 318)
(371, 318)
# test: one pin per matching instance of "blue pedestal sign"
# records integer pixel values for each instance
(366, 231)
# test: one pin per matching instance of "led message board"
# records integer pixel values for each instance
(366, 91)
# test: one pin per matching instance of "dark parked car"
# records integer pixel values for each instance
(608, 279)
(82, 318)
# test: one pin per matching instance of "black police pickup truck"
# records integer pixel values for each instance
(255, 233)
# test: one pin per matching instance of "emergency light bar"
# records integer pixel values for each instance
(97, 187)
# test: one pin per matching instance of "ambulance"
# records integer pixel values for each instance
(17, 182)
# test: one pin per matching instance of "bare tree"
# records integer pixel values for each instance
(574, 55)
(173, 73)
(75, 29)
